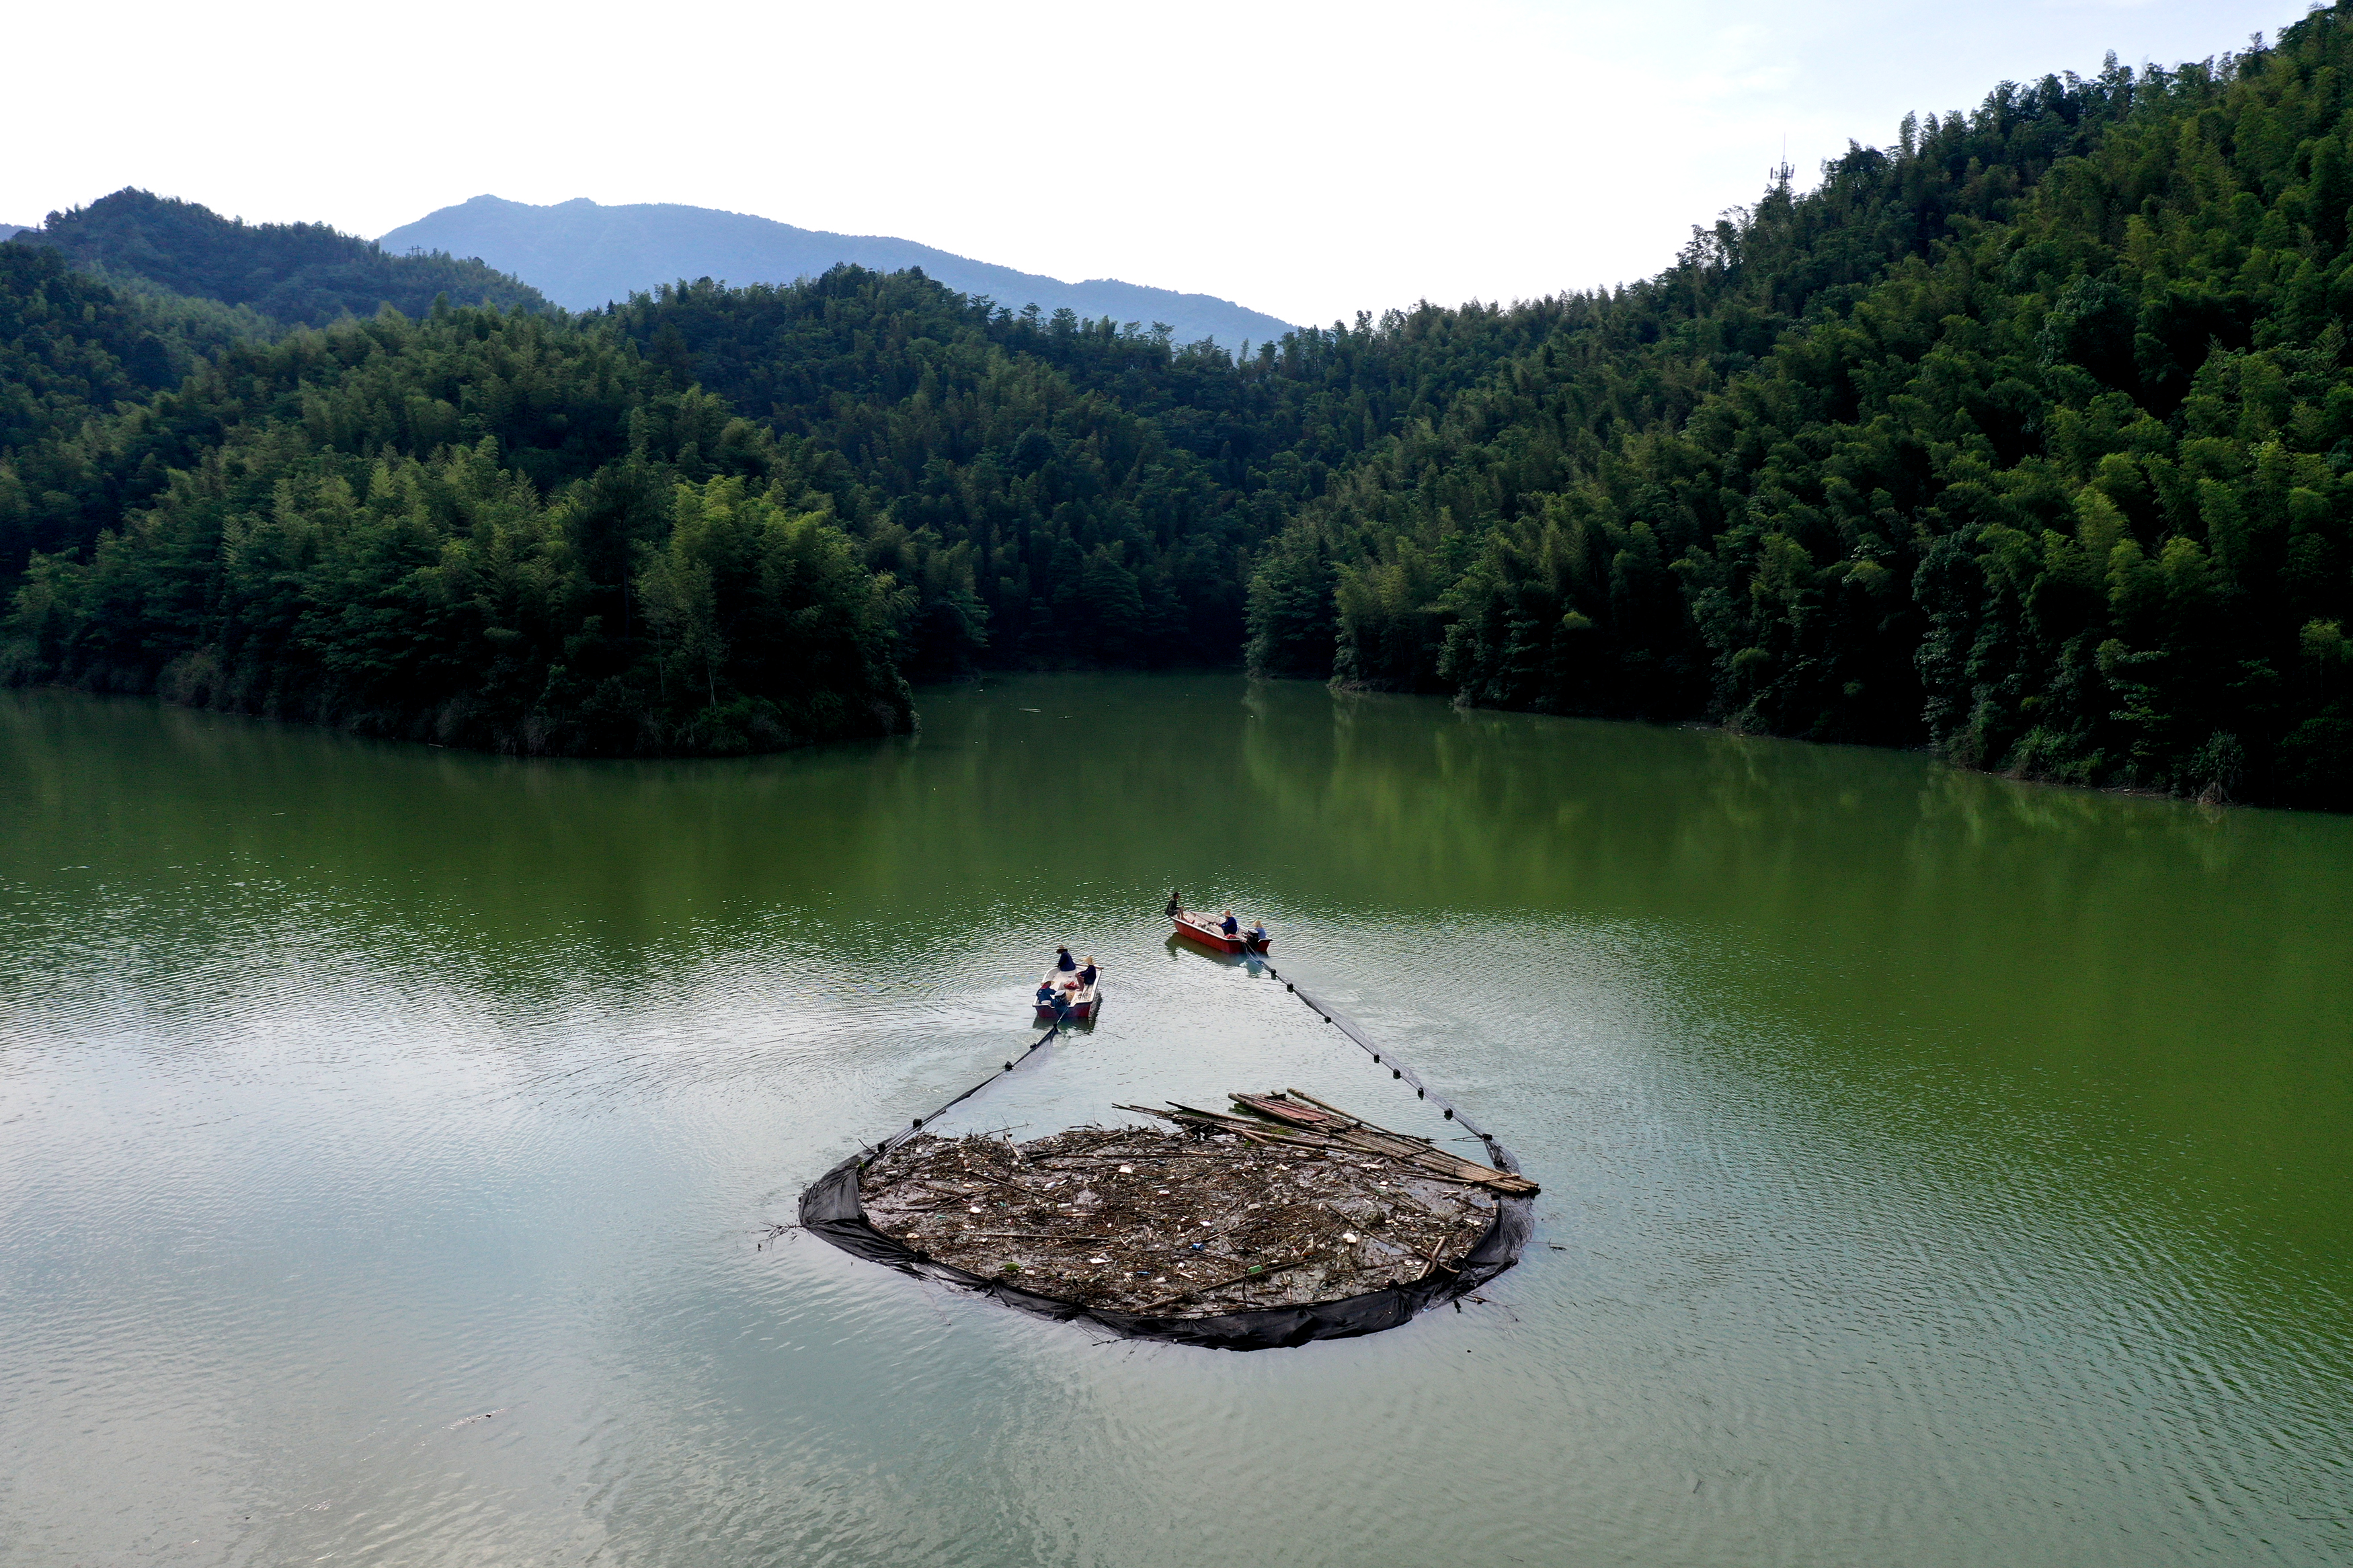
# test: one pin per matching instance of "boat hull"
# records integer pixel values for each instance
(1210, 937)
(1078, 1006)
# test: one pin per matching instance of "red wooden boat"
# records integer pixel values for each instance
(1194, 926)
(1081, 998)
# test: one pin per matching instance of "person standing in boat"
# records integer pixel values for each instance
(1063, 960)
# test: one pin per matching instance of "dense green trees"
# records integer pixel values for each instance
(73, 352)
(68, 346)
(486, 528)
(1076, 489)
(2025, 439)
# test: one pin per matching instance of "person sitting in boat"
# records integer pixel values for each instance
(1175, 905)
(1229, 925)
(1087, 973)
(1258, 933)
(1063, 960)
(1046, 997)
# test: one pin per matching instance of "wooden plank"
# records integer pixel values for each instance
(1283, 1109)
(1421, 1151)
(1365, 1138)
(1350, 1116)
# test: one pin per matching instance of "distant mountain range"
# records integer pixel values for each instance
(582, 254)
(10, 230)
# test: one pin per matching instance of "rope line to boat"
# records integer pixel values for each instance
(1381, 1056)
(916, 1126)
(1397, 1070)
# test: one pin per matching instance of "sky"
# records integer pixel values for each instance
(1308, 159)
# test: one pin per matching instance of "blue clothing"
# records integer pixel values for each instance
(1066, 963)
(1045, 996)
(1230, 926)
(1087, 975)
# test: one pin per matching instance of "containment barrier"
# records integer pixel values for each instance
(832, 1208)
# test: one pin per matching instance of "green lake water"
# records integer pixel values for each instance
(1937, 1170)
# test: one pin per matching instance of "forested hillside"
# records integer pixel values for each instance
(500, 529)
(293, 273)
(2025, 439)
(1072, 490)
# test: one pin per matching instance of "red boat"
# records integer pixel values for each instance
(1081, 999)
(1194, 926)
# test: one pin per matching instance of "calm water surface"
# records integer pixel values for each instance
(1938, 1170)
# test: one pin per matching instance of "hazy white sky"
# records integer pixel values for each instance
(1306, 158)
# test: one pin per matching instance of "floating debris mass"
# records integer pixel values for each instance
(1290, 1202)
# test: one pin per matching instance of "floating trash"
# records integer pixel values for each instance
(1269, 1191)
